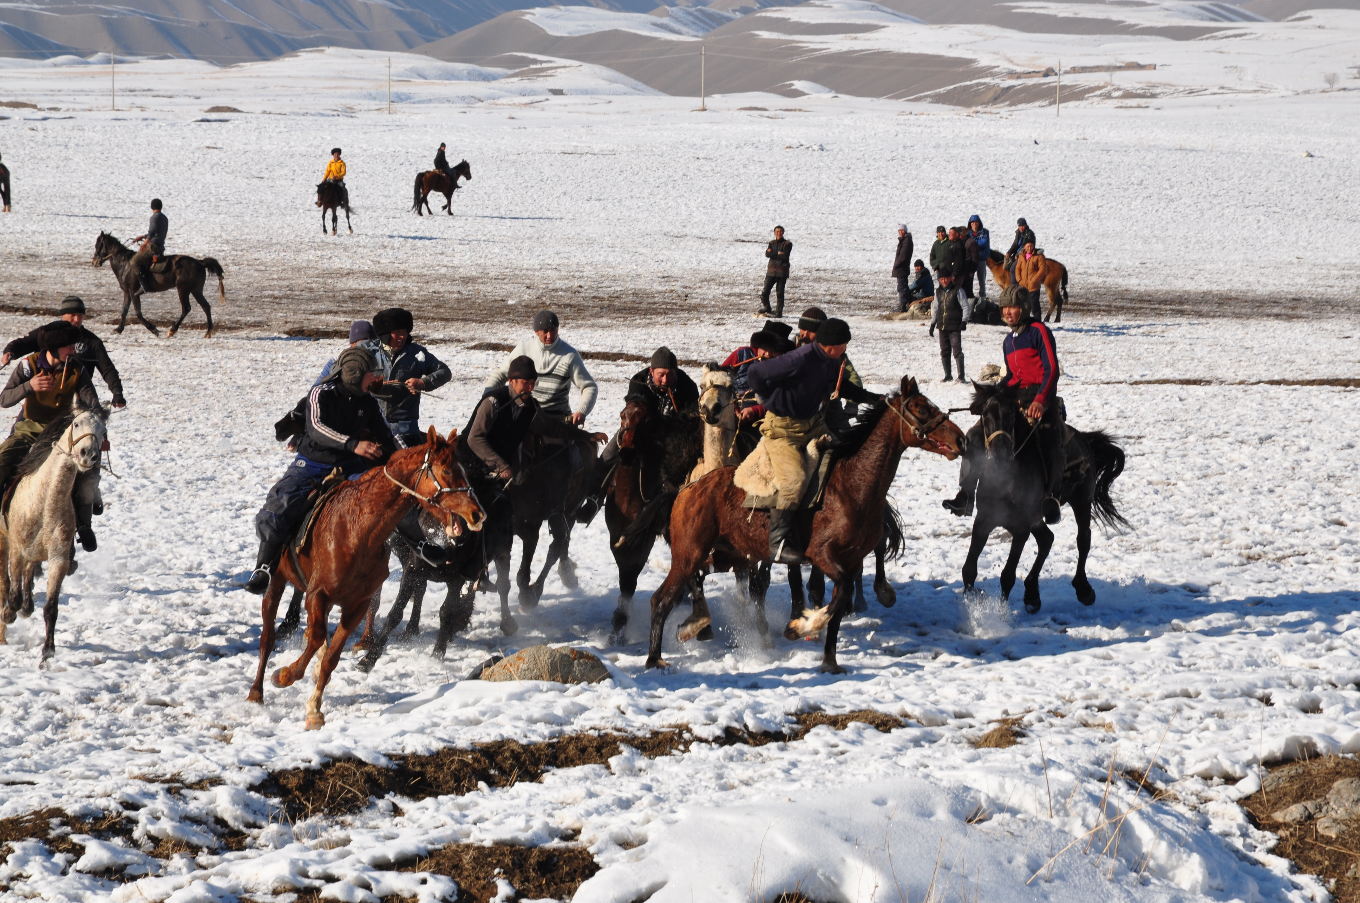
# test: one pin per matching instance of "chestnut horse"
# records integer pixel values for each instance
(436, 181)
(345, 559)
(1053, 278)
(183, 273)
(708, 515)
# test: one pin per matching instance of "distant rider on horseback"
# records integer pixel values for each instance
(335, 172)
(1031, 365)
(795, 389)
(47, 382)
(441, 162)
(153, 246)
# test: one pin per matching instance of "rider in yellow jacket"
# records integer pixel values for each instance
(335, 172)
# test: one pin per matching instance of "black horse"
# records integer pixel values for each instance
(181, 272)
(331, 196)
(1010, 490)
(442, 183)
(656, 456)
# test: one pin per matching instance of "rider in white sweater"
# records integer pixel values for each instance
(559, 367)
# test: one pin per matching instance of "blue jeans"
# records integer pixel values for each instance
(286, 506)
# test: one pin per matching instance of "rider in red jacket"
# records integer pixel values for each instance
(1031, 365)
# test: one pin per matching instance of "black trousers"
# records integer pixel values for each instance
(951, 342)
(777, 283)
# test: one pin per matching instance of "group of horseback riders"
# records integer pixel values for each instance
(792, 389)
(336, 170)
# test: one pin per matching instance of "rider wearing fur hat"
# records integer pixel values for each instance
(47, 383)
(413, 369)
(90, 349)
(342, 427)
(1032, 367)
(795, 389)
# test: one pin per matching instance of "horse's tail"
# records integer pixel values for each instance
(415, 204)
(212, 266)
(1064, 283)
(1108, 461)
(893, 540)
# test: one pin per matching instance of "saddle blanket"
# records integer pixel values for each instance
(755, 476)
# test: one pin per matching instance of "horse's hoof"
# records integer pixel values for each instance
(118, 330)
(704, 635)
(886, 597)
(659, 663)
(437, 653)
(831, 668)
(1032, 606)
(509, 627)
(1086, 595)
(366, 663)
(860, 606)
(255, 696)
(691, 627)
(280, 678)
(171, 334)
(618, 638)
(410, 633)
(528, 600)
(315, 721)
(791, 634)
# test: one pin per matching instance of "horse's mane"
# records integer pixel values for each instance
(984, 392)
(996, 256)
(41, 448)
(850, 441)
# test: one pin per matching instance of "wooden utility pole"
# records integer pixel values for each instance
(113, 91)
(703, 97)
(1057, 92)
(389, 86)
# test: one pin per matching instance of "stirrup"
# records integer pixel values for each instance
(259, 580)
(590, 506)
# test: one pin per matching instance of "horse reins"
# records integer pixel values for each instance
(427, 469)
(920, 430)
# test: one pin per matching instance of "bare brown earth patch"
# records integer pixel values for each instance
(1335, 382)
(1328, 848)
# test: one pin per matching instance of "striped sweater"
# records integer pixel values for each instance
(559, 368)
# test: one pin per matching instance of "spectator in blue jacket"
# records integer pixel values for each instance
(982, 240)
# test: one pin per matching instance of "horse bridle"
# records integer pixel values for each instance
(427, 469)
(920, 430)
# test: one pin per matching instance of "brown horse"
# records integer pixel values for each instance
(708, 515)
(1053, 277)
(345, 559)
(434, 180)
(183, 273)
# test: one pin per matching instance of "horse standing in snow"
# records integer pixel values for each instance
(181, 272)
(436, 181)
(40, 525)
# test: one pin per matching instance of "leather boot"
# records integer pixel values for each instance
(264, 567)
(782, 549)
(960, 505)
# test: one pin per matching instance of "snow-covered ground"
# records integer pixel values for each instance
(1225, 633)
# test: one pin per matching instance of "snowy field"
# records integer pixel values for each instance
(1225, 633)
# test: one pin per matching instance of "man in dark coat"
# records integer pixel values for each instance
(795, 389)
(90, 350)
(947, 317)
(937, 250)
(4, 188)
(153, 245)
(413, 370)
(771, 340)
(901, 268)
(1023, 235)
(970, 264)
(776, 272)
(921, 285)
(947, 257)
(441, 162)
(342, 427)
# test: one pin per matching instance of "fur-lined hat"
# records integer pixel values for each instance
(392, 319)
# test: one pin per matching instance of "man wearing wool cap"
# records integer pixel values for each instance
(901, 268)
(342, 427)
(559, 367)
(90, 350)
(794, 389)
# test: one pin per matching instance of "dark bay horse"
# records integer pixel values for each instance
(183, 273)
(436, 181)
(331, 197)
(1010, 492)
(708, 515)
(656, 456)
(344, 561)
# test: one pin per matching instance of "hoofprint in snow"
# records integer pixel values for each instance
(1224, 635)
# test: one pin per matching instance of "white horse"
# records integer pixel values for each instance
(718, 411)
(41, 523)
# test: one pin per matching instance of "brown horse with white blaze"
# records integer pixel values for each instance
(708, 516)
(344, 561)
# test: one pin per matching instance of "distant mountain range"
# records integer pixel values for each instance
(847, 46)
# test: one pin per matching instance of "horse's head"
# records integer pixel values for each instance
(998, 417)
(635, 413)
(84, 439)
(923, 425)
(717, 394)
(104, 246)
(464, 168)
(442, 488)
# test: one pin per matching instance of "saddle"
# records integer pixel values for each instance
(161, 265)
(755, 476)
(315, 501)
